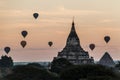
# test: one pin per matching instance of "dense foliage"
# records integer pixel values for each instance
(59, 65)
(6, 61)
(28, 72)
(89, 72)
(61, 69)
(118, 65)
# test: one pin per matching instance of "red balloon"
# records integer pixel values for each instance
(23, 43)
(92, 46)
(50, 43)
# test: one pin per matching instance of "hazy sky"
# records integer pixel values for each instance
(93, 20)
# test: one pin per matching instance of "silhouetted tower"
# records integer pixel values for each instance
(107, 60)
(73, 50)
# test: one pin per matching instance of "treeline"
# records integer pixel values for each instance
(61, 69)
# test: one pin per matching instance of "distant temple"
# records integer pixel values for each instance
(107, 60)
(73, 50)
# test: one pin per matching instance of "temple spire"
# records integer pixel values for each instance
(73, 21)
(73, 25)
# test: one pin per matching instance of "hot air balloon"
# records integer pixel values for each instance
(24, 33)
(50, 43)
(35, 15)
(7, 49)
(107, 39)
(23, 43)
(92, 46)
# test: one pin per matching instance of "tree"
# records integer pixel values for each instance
(118, 65)
(89, 72)
(26, 72)
(36, 65)
(59, 65)
(6, 62)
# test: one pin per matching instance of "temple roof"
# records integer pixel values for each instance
(107, 60)
(73, 32)
(73, 42)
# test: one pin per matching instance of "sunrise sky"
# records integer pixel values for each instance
(94, 19)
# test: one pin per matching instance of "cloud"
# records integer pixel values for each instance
(37, 49)
(57, 13)
(60, 32)
(62, 11)
(107, 21)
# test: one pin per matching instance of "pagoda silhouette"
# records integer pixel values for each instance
(107, 60)
(73, 51)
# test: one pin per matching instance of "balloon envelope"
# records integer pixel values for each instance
(35, 15)
(107, 39)
(92, 46)
(50, 43)
(7, 49)
(24, 33)
(23, 43)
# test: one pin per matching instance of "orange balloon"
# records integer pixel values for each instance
(92, 46)
(50, 43)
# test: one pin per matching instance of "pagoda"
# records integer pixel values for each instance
(73, 50)
(107, 60)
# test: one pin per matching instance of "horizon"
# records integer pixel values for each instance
(93, 20)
